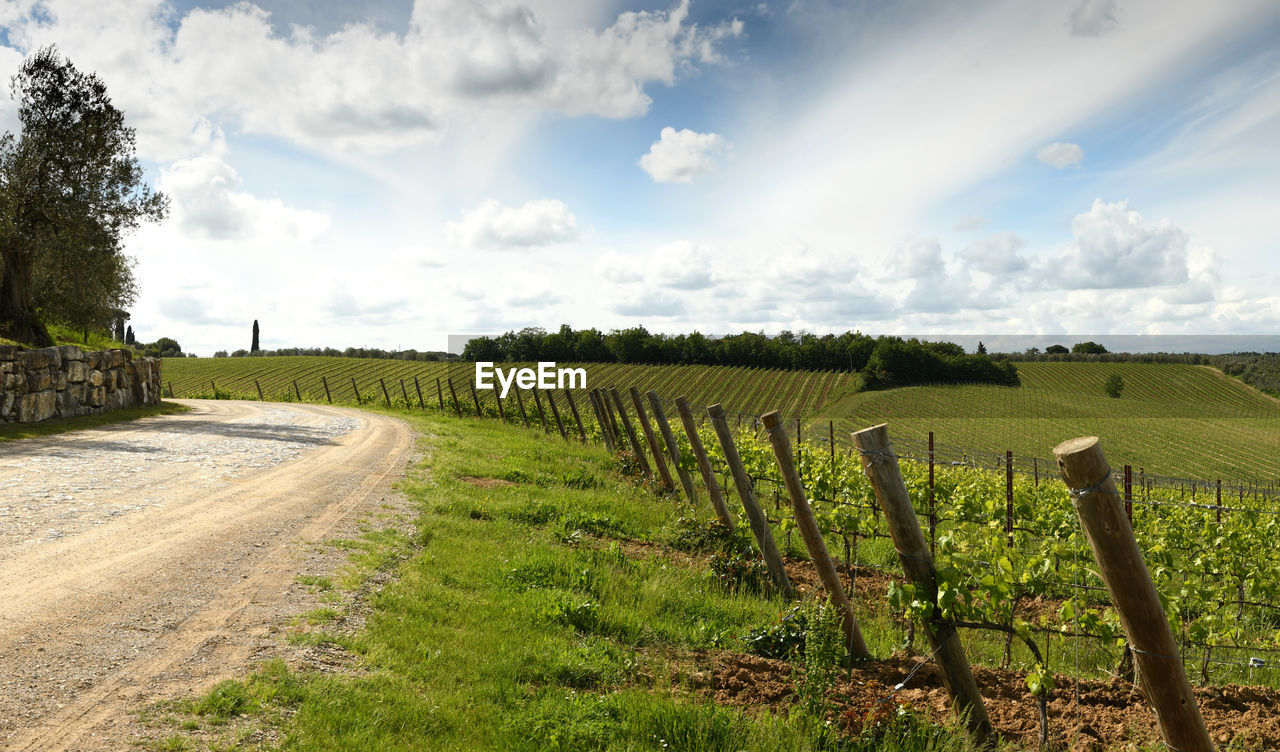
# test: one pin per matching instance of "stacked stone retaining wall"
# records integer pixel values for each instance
(60, 382)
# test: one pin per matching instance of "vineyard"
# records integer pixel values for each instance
(746, 389)
(1192, 418)
(1013, 569)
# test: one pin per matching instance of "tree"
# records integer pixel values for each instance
(1088, 348)
(129, 339)
(255, 347)
(165, 347)
(982, 349)
(1114, 385)
(71, 189)
(1056, 350)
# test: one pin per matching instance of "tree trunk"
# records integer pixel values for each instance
(18, 318)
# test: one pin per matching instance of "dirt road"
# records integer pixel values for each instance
(146, 559)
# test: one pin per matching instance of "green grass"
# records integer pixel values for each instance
(522, 617)
(745, 390)
(15, 431)
(65, 335)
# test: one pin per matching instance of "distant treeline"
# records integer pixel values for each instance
(883, 361)
(350, 352)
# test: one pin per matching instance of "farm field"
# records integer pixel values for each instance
(746, 390)
(1170, 419)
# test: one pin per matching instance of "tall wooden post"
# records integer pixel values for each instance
(631, 432)
(673, 449)
(1128, 493)
(497, 397)
(422, 404)
(524, 417)
(812, 535)
(542, 416)
(259, 388)
(385, 394)
(573, 407)
(328, 397)
(756, 515)
(555, 412)
(1008, 495)
(404, 393)
(296, 390)
(355, 389)
(170, 390)
(881, 466)
(600, 420)
(704, 464)
(1085, 470)
(457, 406)
(642, 416)
(933, 505)
(440, 393)
(475, 398)
(614, 428)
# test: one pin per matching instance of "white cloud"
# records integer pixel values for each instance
(1113, 247)
(682, 265)
(680, 156)
(996, 254)
(536, 223)
(206, 202)
(646, 303)
(359, 89)
(1058, 154)
(1093, 18)
(619, 268)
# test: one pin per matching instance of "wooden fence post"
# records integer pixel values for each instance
(542, 416)
(214, 387)
(933, 505)
(673, 448)
(614, 428)
(520, 404)
(259, 388)
(502, 415)
(1128, 493)
(385, 394)
(642, 416)
(296, 390)
(475, 398)
(422, 405)
(600, 421)
(756, 515)
(1008, 495)
(881, 466)
(555, 413)
(171, 390)
(356, 389)
(704, 464)
(631, 433)
(440, 393)
(328, 397)
(1085, 470)
(404, 393)
(856, 645)
(573, 407)
(457, 406)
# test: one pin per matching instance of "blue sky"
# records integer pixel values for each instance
(387, 173)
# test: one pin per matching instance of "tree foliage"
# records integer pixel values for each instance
(71, 190)
(883, 361)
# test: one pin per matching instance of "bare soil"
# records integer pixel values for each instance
(149, 560)
(1084, 715)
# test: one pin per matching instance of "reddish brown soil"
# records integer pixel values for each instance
(1108, 714)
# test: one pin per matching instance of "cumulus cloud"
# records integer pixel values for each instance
(940, 287)
(536, 223)
(996, 254)
(648, 303)
(619, 268)
(189, 309)
(1093, 18)
(680, 156)
(1060, 155)
(207, 202)
(361, 88)
(682, 265)
(1112, 247)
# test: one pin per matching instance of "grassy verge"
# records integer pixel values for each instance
(15, 431)
(526, 616)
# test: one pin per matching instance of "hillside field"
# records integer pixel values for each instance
(1170, 419)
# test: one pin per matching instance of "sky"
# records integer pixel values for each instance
(388, 173)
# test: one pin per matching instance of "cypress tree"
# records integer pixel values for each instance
(255, 337)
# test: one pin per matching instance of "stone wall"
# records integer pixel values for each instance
(59, 382)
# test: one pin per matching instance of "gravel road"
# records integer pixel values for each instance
(154, 557)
